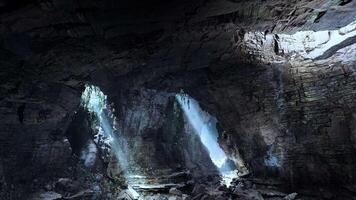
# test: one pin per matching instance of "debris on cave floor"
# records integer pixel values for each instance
(207, 188)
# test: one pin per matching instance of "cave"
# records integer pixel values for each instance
(177, 100)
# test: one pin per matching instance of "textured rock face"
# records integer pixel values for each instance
(158, 135)
(285, 114)
(33, 139)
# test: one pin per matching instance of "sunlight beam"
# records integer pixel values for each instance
(208, 134)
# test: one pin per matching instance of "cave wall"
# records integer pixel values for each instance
(33, 141)
(158, 135)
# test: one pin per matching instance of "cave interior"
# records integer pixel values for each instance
(177, 100)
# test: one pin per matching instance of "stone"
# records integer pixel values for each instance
(50, 195)
(186, 197)
(222, 188)
(81, 195)
(291, 196)
(67, 184)
(248, 194)
(199, 189)
(48, 187)
(175, 191)
(270, 193)
(175, 198)
(128, 194)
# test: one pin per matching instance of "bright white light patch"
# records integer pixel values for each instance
(313, 44)
(333, 45)
(94, 100)
(206, 129)
(228, 177)
(89, 154)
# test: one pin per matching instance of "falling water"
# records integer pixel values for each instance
(206, 129)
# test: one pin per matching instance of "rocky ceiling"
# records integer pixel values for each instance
(262, 67)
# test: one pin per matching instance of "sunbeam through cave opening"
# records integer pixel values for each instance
(205, 127)
(106, 133)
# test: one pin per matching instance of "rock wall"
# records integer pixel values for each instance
(158, 135)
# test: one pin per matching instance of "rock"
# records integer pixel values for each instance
(81, 195)
(248, 194)
(98, 177)
(97, 191)
(186, 197)
(351, 188)
(291, 196)
(128, 194)
(199, 189)
(175, 191)
(175, 198)
(222, 188)
(206, 197)
(67, 184)
(326, 194)
(48, 187)
(64, 181)
(46, 196)
(271, 193)
(124, 196)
